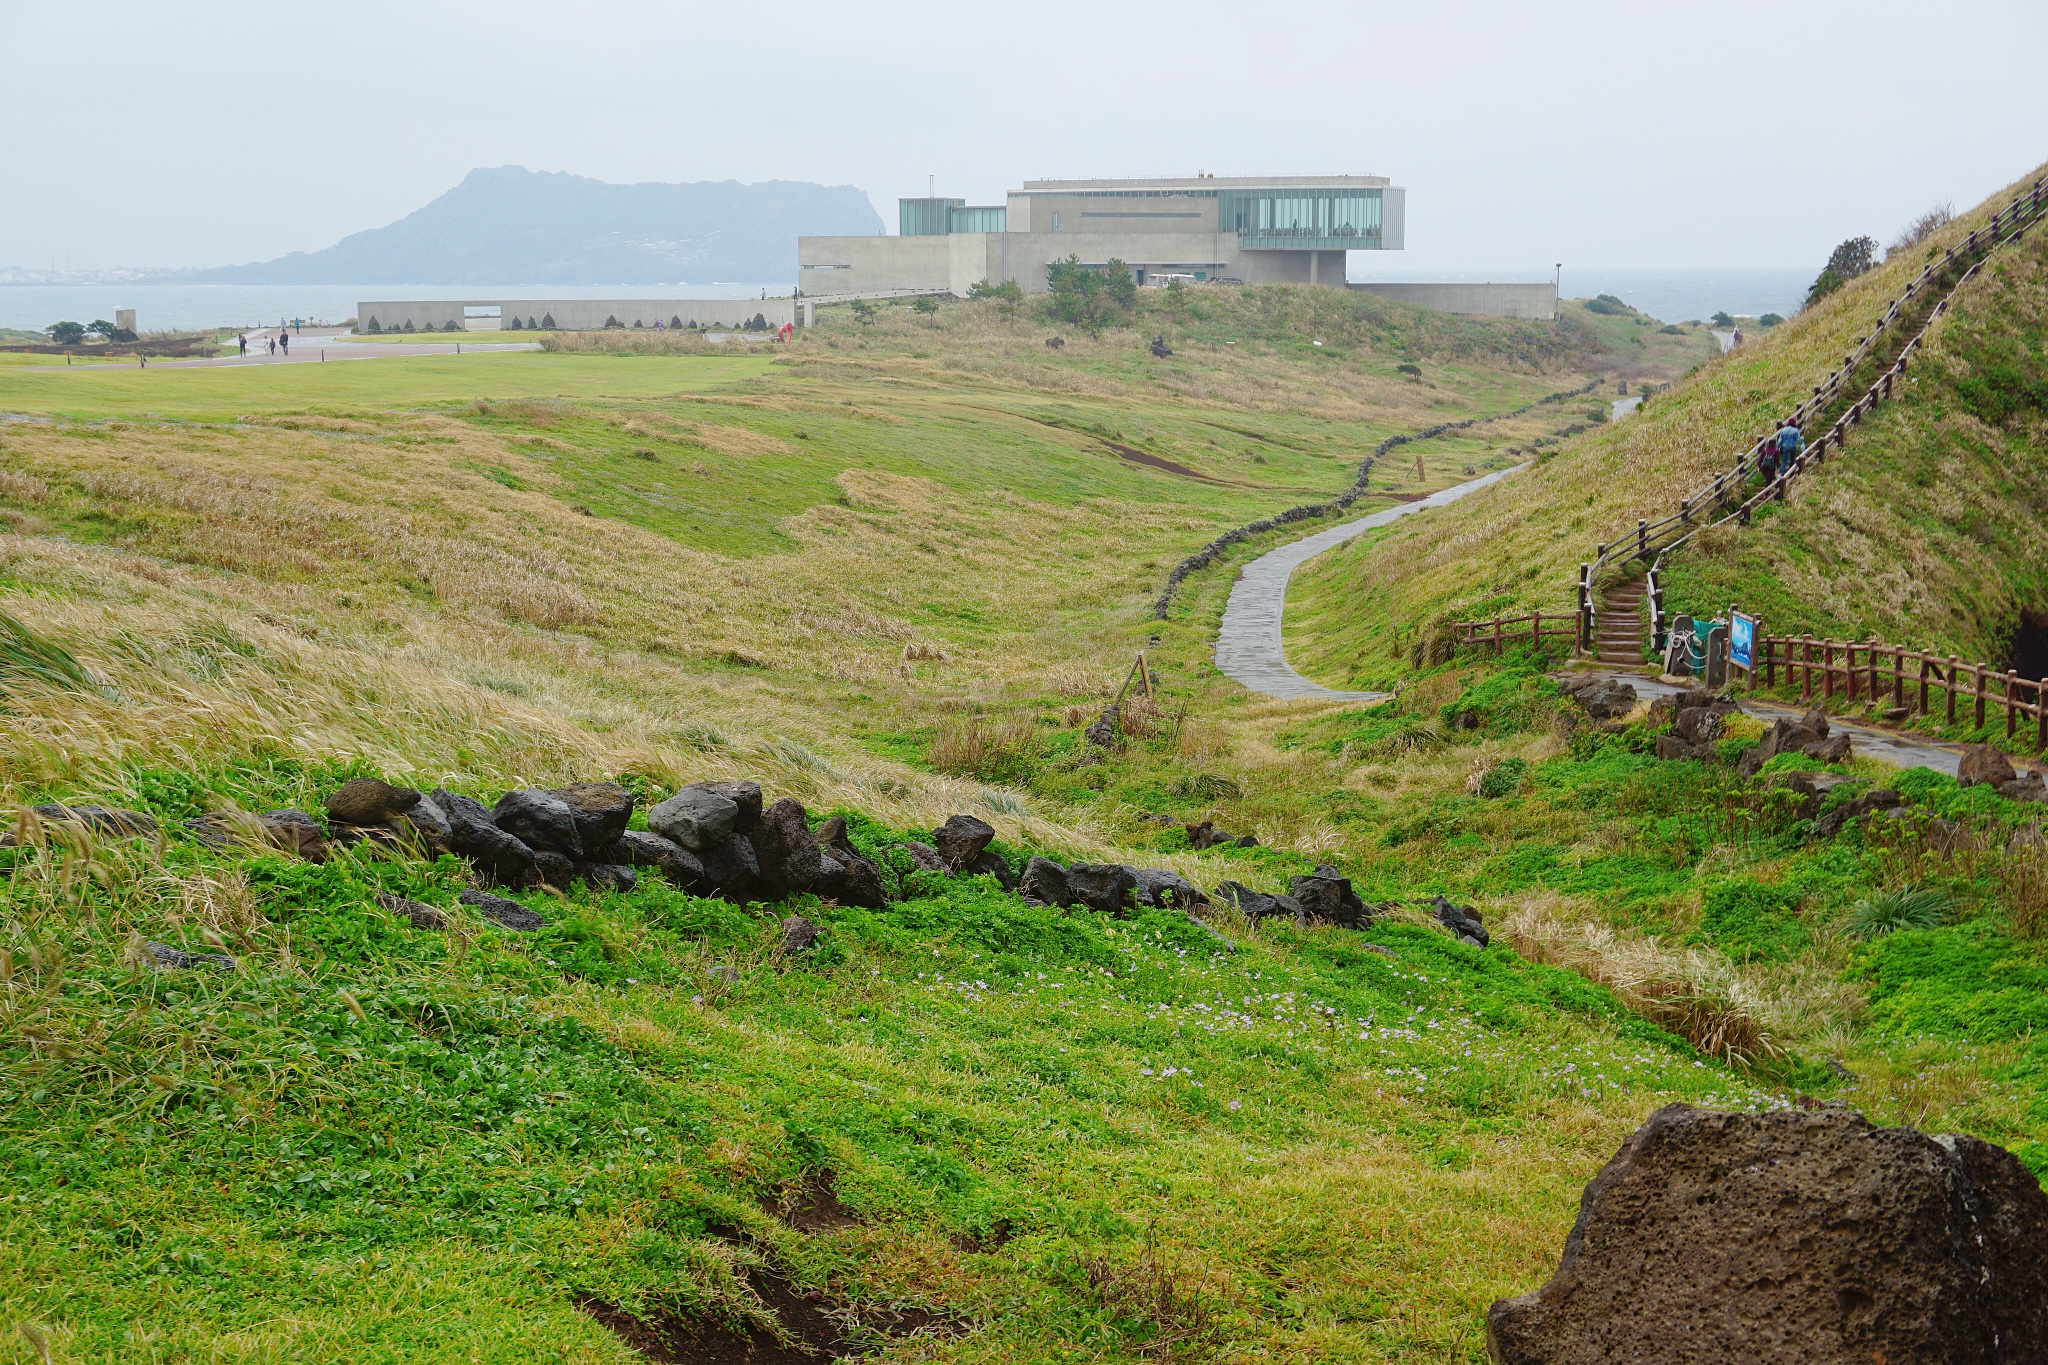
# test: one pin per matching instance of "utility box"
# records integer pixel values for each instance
(124, 318)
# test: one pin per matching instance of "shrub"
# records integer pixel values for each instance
(1769, 320)
(1088, 297)
(1921, 228)
(1722, 319)
(1608, 305)
(1905, 907)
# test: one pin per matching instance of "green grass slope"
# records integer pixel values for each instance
(1362, 614)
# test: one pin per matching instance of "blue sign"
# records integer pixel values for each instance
(1741, 640)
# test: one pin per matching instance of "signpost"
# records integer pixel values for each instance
(1742, 641)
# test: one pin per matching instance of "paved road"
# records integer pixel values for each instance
(316, 344)
(1248, 645)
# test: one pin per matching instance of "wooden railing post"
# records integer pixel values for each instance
(1955, 673)
(1899, 676)
(1849, 668)
(1980, 697)
(2012, 697)
(1806, 673)
(1827, 670)
(1871, 660)
(1923, 684)
(2041, 716)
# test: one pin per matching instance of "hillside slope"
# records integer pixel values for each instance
(1362, 614)
(509, 225)
(894, 571)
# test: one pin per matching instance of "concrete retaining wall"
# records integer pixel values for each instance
(570, 315)
(1478, 300)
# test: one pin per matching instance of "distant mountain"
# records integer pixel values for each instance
(514, 226)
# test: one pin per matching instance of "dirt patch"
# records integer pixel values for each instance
(1145, 457)
(818, 1330)
(812, 1206)
(676, 1341)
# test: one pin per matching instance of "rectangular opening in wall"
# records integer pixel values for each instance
(482, 317)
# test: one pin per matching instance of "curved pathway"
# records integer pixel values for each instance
(1248, 647)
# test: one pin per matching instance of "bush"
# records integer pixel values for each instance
(1769, 320)
(1723, 320)
(1091, 298)
(1608, 305)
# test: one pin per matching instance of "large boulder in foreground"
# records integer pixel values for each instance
(1794, 1236)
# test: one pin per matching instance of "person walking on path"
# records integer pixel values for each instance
(1791, 440)
(1767, 460)
(284, 339)
(242, 344)
(270, 344)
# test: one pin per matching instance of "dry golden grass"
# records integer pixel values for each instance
(1694, 995)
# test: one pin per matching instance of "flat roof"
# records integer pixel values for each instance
(1213, 182)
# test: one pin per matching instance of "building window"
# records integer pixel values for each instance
(1304, 221)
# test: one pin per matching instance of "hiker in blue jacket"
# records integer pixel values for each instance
(1790, 441)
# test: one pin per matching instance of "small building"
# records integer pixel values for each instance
(1247, 229)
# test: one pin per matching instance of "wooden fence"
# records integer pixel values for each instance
(1869, 668)
(1532, 629)
(1651, 537)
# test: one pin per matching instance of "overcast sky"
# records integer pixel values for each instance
(1740, 133)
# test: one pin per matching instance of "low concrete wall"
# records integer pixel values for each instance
(1478, 300)
(568, 315)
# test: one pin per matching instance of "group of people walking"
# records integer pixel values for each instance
(1779, 451)
(282, 341)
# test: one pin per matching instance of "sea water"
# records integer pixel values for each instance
(181, 307)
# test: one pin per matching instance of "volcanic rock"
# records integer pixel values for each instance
(744, 795)
(367, 801)
(1102, 887)
(638, 848)
(1808, 1236)
(960, 840)
(786, 849)
(542, 820)
(1326, 897)
(1045, 883)
(1167, 890)
(505, 913)
(696, 817)
(503, 858)
(600, 810)
(1983, 766)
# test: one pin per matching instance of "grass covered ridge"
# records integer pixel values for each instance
(1924, 528)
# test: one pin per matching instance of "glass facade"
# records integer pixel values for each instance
(980, 219)
(926, 217)
(937, 217)
(1296, 220)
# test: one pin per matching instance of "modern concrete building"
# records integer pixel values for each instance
(568, 315)
(1254, 230)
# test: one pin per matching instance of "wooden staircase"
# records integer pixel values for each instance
(1620, 639)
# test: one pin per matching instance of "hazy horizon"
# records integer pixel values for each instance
(1747, 136)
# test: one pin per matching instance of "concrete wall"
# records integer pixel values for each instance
(573, 315)
(1479, 300)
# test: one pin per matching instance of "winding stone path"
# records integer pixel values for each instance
(1248, 647)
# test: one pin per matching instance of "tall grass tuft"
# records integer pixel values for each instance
(2024, 886)
(1686, 992)
(27, 655)
(1904, 907)
(1003, 750)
